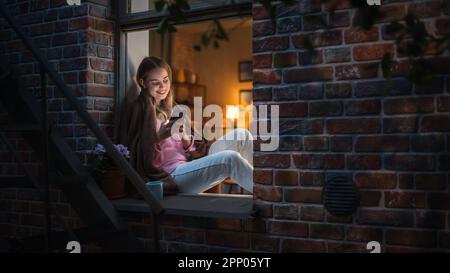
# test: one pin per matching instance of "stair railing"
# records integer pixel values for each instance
(45, 70)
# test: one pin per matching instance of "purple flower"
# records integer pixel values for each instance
(99, 149)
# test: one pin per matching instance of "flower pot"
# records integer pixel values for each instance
(113, 184)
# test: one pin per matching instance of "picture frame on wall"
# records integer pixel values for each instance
(245, 71)
(245, 97)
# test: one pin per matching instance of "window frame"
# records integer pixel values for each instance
(126, 22)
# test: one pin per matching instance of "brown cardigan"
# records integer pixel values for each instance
(138, 133)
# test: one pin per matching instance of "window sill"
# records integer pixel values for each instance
(202, 205)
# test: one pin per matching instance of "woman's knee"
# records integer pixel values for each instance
(244, 134)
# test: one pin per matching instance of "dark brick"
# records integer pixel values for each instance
(319, 161)
(314, 22)
(295, 109)
(285, 93)
(353, 126)
(427, 143)
(376, 180)
(382, 144)
(271, 44)
(262, 94)
(290, 143)
(265, 243)
(425, 9)
(310, 91)
(263, 28)
(383, 88)
(288, 228)
(430, 219)
(273, 194)
(227, 238)
(435, 123)
(365, 162)
(409, 105)
(338, 90)
(308, 246)
(308, 74)
(400, 125)
(311, 213)
(289, 178)
(364, 234)
(430, 181)
(271, 160)
(262, 61)
(325, 108)
(289, 212)
(308, 58)
(299, 127)
(288, 25)
(326, 231)
(357, 35)
(369, 198)
(433, 86)
(385, 217)
(340, 19)
(264, 177)
(411, 238)
(409, 162)
(372, 52)
(356, 71)
(64, 39)
(439, 200)
(309, 6)
(266, 76)
(341, 144)
(404, 199)
(318, 39)
(443, 104)
(362, 107)
(406, 181)
(337, 55)
(311, 178)
(284, 59)
(314, 143)
(303, 195)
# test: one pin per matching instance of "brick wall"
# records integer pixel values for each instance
(340, 115)
(78, 42)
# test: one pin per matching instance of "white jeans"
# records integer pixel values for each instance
(228, 157)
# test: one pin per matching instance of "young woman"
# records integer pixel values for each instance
(182, 163)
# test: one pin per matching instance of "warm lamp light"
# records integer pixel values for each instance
(232, 112)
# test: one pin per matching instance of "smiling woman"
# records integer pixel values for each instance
(182, 163)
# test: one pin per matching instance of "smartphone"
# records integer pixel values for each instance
(172, 119)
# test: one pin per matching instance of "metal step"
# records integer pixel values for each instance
(86, 198)
(20, 128)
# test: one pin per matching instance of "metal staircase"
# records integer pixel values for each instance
(62, 167)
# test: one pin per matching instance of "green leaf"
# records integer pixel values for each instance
(183, 4)
(221, 33)
(159, 5)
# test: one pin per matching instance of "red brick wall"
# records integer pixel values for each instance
(340, 115)
(78, 42)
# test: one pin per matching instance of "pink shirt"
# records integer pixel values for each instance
(170, 152)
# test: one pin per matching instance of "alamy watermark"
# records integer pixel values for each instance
(73, 2)
(263, 122)
(373, 2)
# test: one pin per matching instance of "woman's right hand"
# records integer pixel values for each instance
(165, 130)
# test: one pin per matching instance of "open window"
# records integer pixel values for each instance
(219, 73)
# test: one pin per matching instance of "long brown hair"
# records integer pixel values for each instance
(164, 109)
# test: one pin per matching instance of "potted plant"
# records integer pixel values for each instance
(110, 177)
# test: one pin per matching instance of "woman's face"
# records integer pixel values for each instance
(157, 83)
